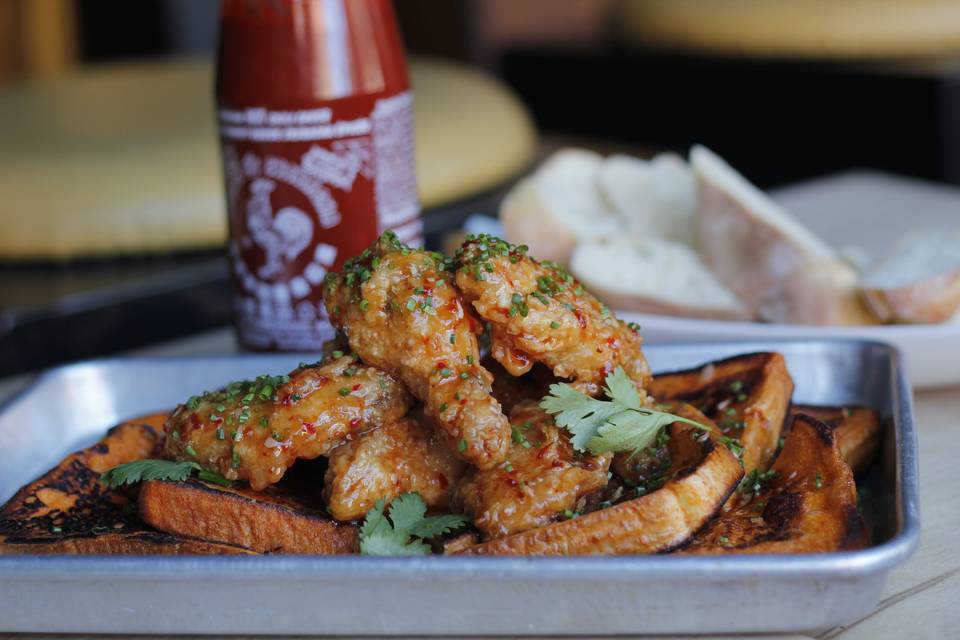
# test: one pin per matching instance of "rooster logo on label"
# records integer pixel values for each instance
(283, 236)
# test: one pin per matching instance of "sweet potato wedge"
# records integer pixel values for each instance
(857, 431)
(703, 474)
(808, 506)
(269, 521)
(69, 511)
(746, 396)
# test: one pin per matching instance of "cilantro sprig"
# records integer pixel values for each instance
(618, 424)
(406, 529)
(142, 470)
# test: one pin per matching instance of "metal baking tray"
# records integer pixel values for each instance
(70, 407)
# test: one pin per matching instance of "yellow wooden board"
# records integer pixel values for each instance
(842, 29)
(124, 159)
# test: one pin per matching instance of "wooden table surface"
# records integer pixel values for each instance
(921, 597)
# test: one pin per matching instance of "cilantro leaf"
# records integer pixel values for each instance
(403, 533)
(633, 430)
(438, 525)
(142, 470)
(618, 424)
(578, 413)
(622, 390)
(406, 511)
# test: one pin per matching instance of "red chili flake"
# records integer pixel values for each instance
(356, 387)
(442, 364)
(520, 358)
(581, 319)
(612, 343)
(463, 401)
(195, 422)
(355, 423)
(542, 453)
(512, 482)
(442, 481)
(309, 427)
(558, 464)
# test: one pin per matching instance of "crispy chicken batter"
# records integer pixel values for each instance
(540, 313)
(542, 478)
(401, 312)
(254, 430)
(406, 455)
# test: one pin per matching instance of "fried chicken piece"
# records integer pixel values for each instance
(406, 455)
(540, 313)
(542, 478)
(401, 312)
(255, 429)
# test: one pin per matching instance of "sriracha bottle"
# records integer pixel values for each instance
(316, 129)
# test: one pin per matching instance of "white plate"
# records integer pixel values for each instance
(861, 214)
(931, 352)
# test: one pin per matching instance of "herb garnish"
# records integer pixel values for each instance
(756, 480)
(403, 534)
(142, 470)
(617, 424)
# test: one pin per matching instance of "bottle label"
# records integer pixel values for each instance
(307, 189)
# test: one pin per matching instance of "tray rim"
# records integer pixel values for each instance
(645, 568)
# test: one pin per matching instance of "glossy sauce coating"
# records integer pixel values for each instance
(540, 313)
(541, 479)
(403, 456)
(401, 312)
(254, 430)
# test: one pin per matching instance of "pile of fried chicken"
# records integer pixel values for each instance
(434, 386)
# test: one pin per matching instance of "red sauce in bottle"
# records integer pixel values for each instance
(316, 129)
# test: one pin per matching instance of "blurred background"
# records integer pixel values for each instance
(112, 207)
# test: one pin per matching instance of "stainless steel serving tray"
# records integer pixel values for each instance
(70, 407)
